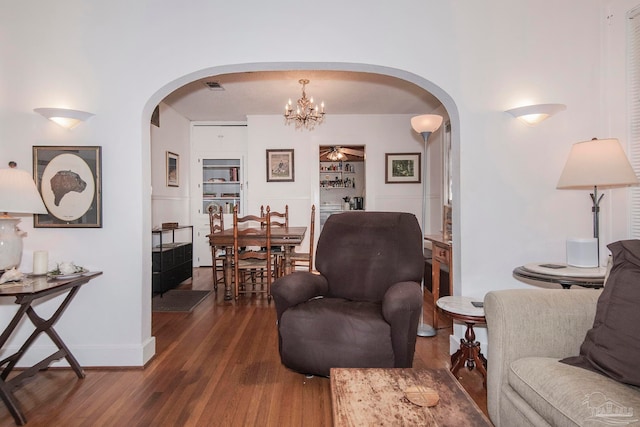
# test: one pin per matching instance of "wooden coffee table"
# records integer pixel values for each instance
(375, 396)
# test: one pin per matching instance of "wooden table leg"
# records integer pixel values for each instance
(469, 354)
(227, 274)
(288, 268)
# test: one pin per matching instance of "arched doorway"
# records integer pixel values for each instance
(424, 84)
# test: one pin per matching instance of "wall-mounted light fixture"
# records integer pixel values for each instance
(534, 114)
(63, 116)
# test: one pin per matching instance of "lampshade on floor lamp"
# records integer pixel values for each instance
(597, 163)
(425, 125)
(18, 194)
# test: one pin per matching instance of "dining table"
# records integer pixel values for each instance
(287, 237)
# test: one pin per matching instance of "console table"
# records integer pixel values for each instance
(31, 289)
(441, 254)
(171, 261)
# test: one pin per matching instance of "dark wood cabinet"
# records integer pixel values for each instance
(171, 260)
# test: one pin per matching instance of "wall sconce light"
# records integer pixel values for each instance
(534, 114)
(65, 117)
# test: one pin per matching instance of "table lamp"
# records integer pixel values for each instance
(18, 194)
(597, 163)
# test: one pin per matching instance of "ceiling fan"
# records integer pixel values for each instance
(337, 153)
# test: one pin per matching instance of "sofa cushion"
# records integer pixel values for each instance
(612, 345)
(566, 395)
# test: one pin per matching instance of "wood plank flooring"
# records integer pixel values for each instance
(216, 366)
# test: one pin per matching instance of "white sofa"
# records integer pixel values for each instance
(529, 331)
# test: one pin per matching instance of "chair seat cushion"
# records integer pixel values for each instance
(323, 333)
(566, 395)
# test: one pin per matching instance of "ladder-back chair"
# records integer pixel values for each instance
(216, 225)
(252, 253)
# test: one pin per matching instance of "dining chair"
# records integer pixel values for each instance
(216, 225)
(305, 259)
(278, 219)
(252, 253)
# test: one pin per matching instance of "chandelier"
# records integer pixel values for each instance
(307, 114)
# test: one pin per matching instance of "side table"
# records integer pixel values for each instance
(469, 354)
(562, 274)
(26, 293)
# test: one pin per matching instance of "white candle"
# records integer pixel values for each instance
(40, 262)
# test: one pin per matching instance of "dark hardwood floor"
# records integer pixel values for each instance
(215, 366)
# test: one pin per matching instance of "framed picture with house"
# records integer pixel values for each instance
(280, 166)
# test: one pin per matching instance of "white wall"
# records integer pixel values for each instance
(170, 204)
(119, 59)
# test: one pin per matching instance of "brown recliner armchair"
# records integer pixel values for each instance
(362, 309)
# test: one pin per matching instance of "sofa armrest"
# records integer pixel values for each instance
(533, 322)
(296, 288)
(401, 308)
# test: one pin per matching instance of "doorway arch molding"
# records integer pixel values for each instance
(446, 100)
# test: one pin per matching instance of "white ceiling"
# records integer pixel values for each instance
(265, 93)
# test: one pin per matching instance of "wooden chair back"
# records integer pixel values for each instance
(250, 235)
(306, 258)
(278, 219)
(312, 227)
(216, 225)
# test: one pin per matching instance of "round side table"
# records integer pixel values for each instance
(469, 354)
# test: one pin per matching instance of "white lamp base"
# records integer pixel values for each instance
(426, 331)
(10, 243)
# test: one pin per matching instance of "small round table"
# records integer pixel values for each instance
(469, 354)
(562, 274)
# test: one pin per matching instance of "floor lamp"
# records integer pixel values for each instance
(597, 163)
(425, 125)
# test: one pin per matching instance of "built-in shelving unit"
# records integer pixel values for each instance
(221, 184)
(337, 175)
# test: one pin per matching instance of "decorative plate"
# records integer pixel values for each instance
(60, 276)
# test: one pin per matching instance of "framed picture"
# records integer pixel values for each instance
(280, 166)
(447, 223)
(69, 180)
(173, 169)
(402, 168)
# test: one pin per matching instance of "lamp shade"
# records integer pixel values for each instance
(597, 163)
(426, 123)
(18, 193)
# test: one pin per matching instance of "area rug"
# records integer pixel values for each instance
(178, 300)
